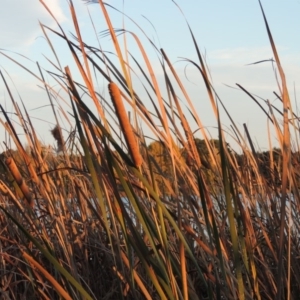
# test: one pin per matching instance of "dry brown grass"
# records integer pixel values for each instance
(179, 219)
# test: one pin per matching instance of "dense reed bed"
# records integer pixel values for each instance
(112, 217)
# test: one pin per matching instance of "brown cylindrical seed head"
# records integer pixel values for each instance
(19, 180)
(58, 137)
(125, 124)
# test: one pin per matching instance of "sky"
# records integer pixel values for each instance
(230, 34)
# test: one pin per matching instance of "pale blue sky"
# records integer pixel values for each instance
(231, 32)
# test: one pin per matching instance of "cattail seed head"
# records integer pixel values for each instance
(58, 137)
(19, 180)
(125, 124)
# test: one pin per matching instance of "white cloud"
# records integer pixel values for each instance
(242, 55)
(230, 66)
(19, 20)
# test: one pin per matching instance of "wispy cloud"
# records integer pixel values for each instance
(241, 55)
(19, 21)
(235, 65)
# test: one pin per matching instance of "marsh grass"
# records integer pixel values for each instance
(105, 219)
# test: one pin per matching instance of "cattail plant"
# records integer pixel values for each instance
(56, 133)
(127, 130)
(210, 226)
(19, 180)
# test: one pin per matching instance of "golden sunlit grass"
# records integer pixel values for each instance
(110, 217)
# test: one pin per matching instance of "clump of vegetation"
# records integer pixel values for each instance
(113, 217)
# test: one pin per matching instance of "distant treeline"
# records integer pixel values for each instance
(245, 165)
